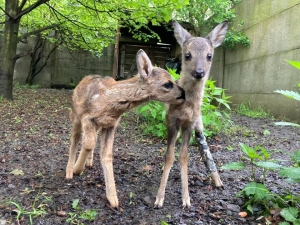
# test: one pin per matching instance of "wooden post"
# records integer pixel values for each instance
(116, 54)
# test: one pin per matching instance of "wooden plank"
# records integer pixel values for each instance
(122, 75)
(116, 54)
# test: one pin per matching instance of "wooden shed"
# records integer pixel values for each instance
(127, 47)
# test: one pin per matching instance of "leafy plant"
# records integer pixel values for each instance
(256, 194)
(204, 15)
(17, 85)
(290, 214)
(79, 215)
(290, 94)
(214, 120)
(38, 208)
(292, 173)
(246, 110)
(258, 157)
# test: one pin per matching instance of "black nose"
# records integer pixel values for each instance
(199, 73)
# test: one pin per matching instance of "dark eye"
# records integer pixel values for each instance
(168, 85)
(187, 56)
(209, 57)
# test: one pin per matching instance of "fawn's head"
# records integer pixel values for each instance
(157, 81)
(197, 52)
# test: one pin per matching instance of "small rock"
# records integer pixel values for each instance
(11, 186)
(61, 213)
(234, 208)
(147, 200)
(3, 222)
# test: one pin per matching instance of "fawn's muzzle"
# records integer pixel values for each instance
(198, 74)
(182, 96)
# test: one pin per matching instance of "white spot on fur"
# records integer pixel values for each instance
(95, 97)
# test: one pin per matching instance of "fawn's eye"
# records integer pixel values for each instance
(187, 56)
(168, 85)
(209, 56)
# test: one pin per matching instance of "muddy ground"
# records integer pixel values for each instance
(34, 142)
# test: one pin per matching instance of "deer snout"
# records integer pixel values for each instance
(198, 73)
(182, 96)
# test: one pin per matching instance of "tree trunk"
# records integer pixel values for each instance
(8, 51)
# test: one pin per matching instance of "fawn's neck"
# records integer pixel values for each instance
(131, 90)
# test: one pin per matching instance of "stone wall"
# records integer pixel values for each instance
(253, 74)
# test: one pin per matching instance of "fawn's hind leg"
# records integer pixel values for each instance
(106, 157)
(89, 140)
(205, 153)
(75, 137)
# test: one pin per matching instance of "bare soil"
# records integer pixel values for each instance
(34, 140)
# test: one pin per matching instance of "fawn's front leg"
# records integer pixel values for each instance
(183, 159)
(89, 140)
(205, 154)
(75, 137)
(169, 159)
(106, 158)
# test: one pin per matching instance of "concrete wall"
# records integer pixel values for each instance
(252, 75)
(64, 67)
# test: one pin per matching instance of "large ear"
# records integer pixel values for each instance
(217, 35)
(180, 33)
(144, 64)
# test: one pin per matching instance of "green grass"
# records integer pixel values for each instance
(245, 109)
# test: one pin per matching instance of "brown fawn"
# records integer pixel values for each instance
(197, 54)
(98, 104)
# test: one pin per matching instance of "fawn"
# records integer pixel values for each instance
(98, 104)
(197, 54)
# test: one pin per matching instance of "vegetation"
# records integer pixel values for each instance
(38, 207)
(79, 215)
(245, 109)
(153, 114)
(203, 15)
(290, 94)
(88, 25)
(257, 194)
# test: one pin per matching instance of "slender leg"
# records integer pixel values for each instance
(106, 157)
(89, 160)
(75, 137)
(183, 159)
(89, 140)
(206, 155)
(169, 159)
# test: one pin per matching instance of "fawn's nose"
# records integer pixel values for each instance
(199, 73)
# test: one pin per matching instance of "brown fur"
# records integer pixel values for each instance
(197, 55)
(98, 104)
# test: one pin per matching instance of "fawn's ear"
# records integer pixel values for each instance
(144, 64)
(180, 33)
(217, 35)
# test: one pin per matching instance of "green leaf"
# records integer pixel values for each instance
(284, 223)
(289, 94)
(268, 165)
(17, 172)
(250, 208)
(286, 124)
(251, 152)
(256, 189)
(234, 166)
(295, 64)
(289, 214)
(75, 203)
(293, 173)
(163, 222)
(296, 156)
